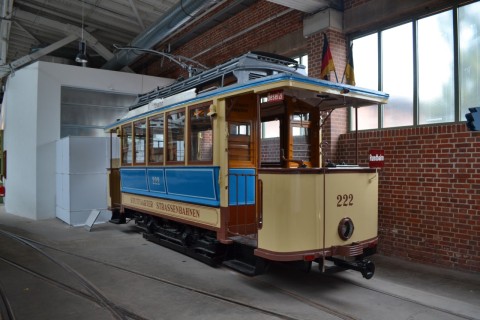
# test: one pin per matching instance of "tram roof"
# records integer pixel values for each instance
(325, 95)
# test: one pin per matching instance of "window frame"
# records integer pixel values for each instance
(134, 135)
(457, 118)
(206, 106)
(150, 140)
(130, 146)
(167, 137)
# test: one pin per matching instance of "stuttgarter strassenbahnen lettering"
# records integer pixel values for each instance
(195, 213)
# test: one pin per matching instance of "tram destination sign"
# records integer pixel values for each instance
(275, 96)
(376, 158)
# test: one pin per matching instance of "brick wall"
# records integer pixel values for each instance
(337, 123)
(226, 34)
(429, 200)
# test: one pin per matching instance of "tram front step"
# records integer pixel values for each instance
(247, 240)
(241, 267)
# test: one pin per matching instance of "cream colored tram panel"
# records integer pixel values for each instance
(197, 214)
(351, 195)
(292, 205)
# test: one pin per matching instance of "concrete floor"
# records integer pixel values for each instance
(111, 272)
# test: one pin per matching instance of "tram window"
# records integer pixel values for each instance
(175, 136)
(240, 129)
(201, 134)
(299, 132)
(127, 144)
(240, 142)
(301, 117)
(156, 139)
(140, 132)
(270, 150)
(301, 136)
(301, 144)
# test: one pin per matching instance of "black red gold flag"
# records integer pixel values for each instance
(327, 60)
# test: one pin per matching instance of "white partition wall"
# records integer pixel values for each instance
(81, 177)
(32, 111)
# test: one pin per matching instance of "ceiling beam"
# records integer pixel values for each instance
(67, 29)
(125, 23)
(5, 27)
(311, 6)
(36, 55)
(135, 11)
(22, 28)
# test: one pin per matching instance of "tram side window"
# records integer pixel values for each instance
(127, 144)
(175, 136)
(140, 132)
(156, 139)
(201, 134)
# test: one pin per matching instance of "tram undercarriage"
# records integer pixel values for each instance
(195, 242)
(202, 245)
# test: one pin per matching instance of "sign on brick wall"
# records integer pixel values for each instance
(376, 158)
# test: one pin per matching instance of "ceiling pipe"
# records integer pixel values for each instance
(172, 20)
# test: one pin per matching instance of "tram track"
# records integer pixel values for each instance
(297, 296)
(364, 287)
(406, 299)
(121, 313)
(6, 310)
(95, 296)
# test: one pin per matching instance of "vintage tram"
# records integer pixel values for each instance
(227, 166)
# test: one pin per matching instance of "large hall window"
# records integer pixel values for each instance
(435, 69)
(303, 60)
(365, 57)
(417, 65)
(397, 63)
(469, 56)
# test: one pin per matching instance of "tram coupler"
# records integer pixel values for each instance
(364, 266)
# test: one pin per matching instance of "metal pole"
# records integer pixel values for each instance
(356, 135)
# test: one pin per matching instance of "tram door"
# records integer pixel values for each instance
(241, 116)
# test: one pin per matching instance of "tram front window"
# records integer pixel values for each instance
(270, 153)
(301, 137)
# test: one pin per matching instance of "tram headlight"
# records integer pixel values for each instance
(345, 228)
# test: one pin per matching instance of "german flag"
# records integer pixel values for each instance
(327, 60)
(349, 73)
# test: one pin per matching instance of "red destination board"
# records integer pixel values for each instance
(376, 158)
(275, 96)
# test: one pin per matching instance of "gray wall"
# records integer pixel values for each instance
(32, 108)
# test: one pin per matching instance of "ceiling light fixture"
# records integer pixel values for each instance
(82, 47)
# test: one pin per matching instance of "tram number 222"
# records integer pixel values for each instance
(344, 200)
